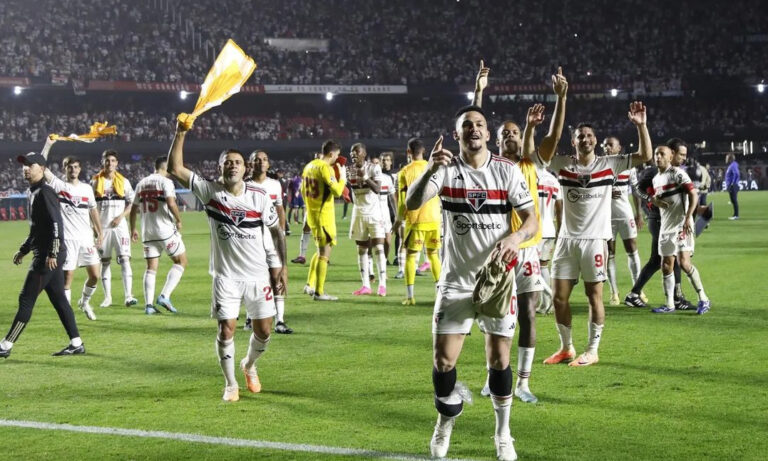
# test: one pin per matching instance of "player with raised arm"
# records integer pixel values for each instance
(155, 199)
(367, 225)
(81, 224)
(676, 197)
(422, 225)
(624, 223)
(587, 182)
(114, 196)
(259, 161)
(319, 187)
(478, 192)
(242, 252)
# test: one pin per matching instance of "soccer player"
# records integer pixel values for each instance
(732, 178)
(367, 225)
(242, 252)
(478, 191)
(297, 202)
(81, 223)
(388, 198)
(551, 211)
(587, 183)
(114, 196)
(422, 225)
(259, 161)
(155, 199)
(674, 194)
(319, 187)
(623, 223)
(46, 241)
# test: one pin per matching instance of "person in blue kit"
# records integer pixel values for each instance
(732, 178)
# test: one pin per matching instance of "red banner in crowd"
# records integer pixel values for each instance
(14, 81)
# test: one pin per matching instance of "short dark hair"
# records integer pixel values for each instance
(252, 157)
(359, 146)
(159, 161)
(676, 143)
(224, 153)
(330, 146)
(109, 153)
(415, 145)
(69, 159)
(469, 108)
(582, 125)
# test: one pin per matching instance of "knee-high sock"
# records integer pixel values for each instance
(322, 271)
(362, 264)
(280, 307)
(668, 283)
(149, 287)
(524, 365)
(381, 262)
(695, 279)
(434, 264)
(678, 279)
(612, 274)
(500, 384)
(595, 334)
(303, 243)
(87, 292)
(312, 275)
(172, 280)
(401, 256)
(633, 261)
(106, 280)
(225, 350)
(127, 272)
(546, 298)
(256, 347)
(566, 339)
(410, 273)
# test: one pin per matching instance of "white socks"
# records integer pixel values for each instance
(566, 340)
(88, 292)
(668, 282)
(172, 280)
(106, 280)
(362, 263)
(524, 364)
(401, 258)
(378, 252)
(149, 287)
(501, 408)
(409, 291)
(304, 243)
(595, 333)
(693, 276)
(280, 306)
(256, 348)
(612, 274)
(127, 272)
(68, 295)
(76, 341)
(633, 261)
(225, 349)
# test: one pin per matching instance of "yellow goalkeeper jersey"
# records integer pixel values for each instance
(319, 187)
(429, 216)
(532, 179)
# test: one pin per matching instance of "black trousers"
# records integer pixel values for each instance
(654, 260)
(41, 278)
(733, 192)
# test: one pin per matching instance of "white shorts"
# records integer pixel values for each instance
(579, 256)
(363, 228)
(672, 244)
(173, 246)
(454, 314)
(228, 294)
(546, 249)
(80, 254)
(528, 271)
(387, 223)
(624, 228)
(117, 240)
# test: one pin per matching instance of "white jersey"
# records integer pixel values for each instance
(110, 205)
(152, 194)
(587, 194)
(272, 188)
(241, 246)
(477, 204)
(672, 186)
(549, 193)
(387, 189)
(366, 201)
(76, 201)
(621, 209)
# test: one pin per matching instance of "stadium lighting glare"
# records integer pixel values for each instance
(614, 92)
(329, 96)
(470, 95)
(760, 87)
(17, 90)
(183, 94)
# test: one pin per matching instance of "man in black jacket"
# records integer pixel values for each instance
(46, 241)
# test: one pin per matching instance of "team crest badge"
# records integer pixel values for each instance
(237, 216)
(76, 201)
(477, 198)
(584, 179)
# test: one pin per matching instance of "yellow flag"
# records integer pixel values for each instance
(229, 73)
(98, 130)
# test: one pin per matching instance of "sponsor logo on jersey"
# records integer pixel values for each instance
(226, 234)
(462, 224)
(574, 195)
(477, 198)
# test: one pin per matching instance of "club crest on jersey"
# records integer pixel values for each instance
(237, 216)
(76, 201)
(583, 179)
(476, 198)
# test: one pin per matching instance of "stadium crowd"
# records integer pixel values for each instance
(154, 40)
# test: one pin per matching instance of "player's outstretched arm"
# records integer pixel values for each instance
(638, 116)
(533, 119)
(481, 83)
(176, 156)
(548, 145)
(422, 190)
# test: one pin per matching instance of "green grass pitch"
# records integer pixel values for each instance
(357, 373)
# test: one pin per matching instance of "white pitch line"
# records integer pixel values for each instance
(296, 447)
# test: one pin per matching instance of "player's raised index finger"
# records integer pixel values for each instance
(560, 71)
(482, 65)
(438, 145)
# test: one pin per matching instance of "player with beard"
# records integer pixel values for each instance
(587, 182)
(242, 253)
(527, 270)
(478, 190)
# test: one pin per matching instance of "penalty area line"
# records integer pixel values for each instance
(197, 438)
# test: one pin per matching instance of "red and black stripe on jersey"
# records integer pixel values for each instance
(596, 179)
(476, 201)
(151, 194)
(233, 216)
(622, 180)
(671, 189)
(77, 202)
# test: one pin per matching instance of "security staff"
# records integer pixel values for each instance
(46, 241)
